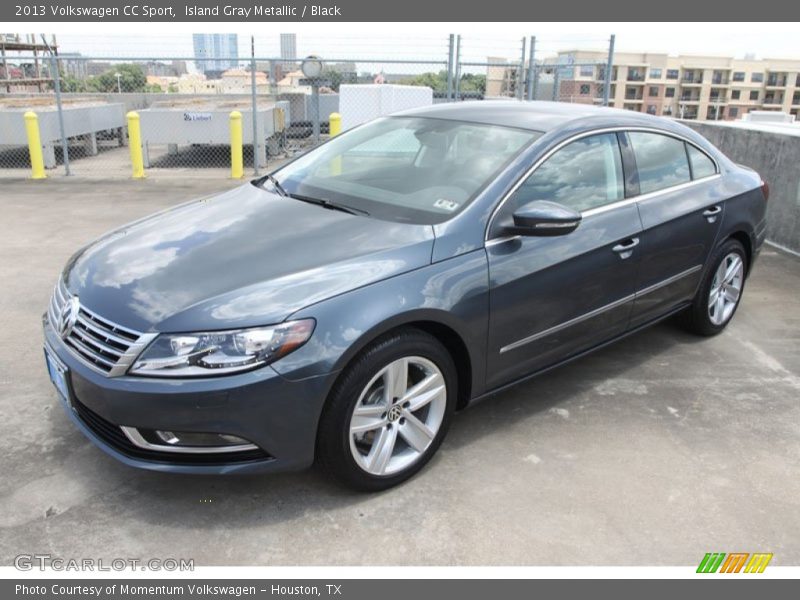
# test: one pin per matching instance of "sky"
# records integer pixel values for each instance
(429, 40)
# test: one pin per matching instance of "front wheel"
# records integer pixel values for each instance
(720, 291)
(389, 412)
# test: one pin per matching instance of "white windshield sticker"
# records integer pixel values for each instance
(447, 205)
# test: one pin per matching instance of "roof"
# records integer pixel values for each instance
(536, 116)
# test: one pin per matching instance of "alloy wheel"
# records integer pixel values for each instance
(726, 288)
(398, 415)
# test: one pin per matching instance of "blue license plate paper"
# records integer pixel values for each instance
(58, 375)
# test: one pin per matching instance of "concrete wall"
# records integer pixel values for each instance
(776, 156)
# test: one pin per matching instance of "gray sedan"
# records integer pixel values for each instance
(342, 308)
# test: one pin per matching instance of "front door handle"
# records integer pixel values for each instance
(712, 213)
(625, 249)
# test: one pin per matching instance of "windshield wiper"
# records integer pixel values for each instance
(275, 183)
(325, 203)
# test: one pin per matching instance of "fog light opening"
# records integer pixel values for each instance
(167, 436)
(187, 441)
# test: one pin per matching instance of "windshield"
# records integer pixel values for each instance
(409, 169)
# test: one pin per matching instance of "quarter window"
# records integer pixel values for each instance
(660, 159)
(582, 175)
(702, 165)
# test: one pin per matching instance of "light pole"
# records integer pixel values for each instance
(119, 85)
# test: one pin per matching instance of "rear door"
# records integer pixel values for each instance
(552, 297)
(681, 210)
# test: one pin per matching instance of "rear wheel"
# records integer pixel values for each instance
(389, 412)
(720, 292)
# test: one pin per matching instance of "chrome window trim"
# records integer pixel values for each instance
(611, 205)
(600, 310)
(649, 195)
(137, 440)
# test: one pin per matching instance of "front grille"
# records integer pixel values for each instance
(100, 343)
(113, 436)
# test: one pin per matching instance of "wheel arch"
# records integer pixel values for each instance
(437, 324)
(744, 238)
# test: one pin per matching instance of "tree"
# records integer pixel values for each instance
(436, 81)
(131, 79)
(70, 84)
(471, 82)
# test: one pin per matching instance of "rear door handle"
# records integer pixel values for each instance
(712, 213)
(625, 249)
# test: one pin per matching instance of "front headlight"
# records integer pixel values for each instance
(220, 352)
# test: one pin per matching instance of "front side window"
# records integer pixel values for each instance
(660, 160)
(407, 169)
(584, 174)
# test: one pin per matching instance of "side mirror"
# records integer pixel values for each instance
(543, 218)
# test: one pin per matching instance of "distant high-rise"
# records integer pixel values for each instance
(223, 47)
(289, 47)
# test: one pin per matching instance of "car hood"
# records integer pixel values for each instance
(244, 258)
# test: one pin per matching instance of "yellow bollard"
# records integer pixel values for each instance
(34, 145)
(135, 143)
(335, 128)
(335, 121)
(237, 161)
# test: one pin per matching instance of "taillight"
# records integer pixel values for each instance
(765, 190)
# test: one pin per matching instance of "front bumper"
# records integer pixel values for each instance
(276, 414)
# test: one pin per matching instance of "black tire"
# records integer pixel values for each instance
(696, 318)
(333, 452)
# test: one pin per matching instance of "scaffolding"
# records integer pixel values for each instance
(18, 76)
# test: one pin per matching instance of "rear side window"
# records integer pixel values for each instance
(582, 175)
(702, 165)
(660, 159)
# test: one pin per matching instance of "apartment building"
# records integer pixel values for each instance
(688, 87)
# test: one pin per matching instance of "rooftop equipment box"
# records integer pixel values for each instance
(361, 103)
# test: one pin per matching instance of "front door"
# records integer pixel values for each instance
(553, 297)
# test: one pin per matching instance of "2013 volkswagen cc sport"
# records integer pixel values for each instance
(343, 307)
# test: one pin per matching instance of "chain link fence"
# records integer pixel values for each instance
(200, 114)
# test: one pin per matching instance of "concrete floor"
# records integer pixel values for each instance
(653, 451)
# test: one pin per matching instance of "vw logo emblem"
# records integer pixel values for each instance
(394, 413)
(69, 315)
